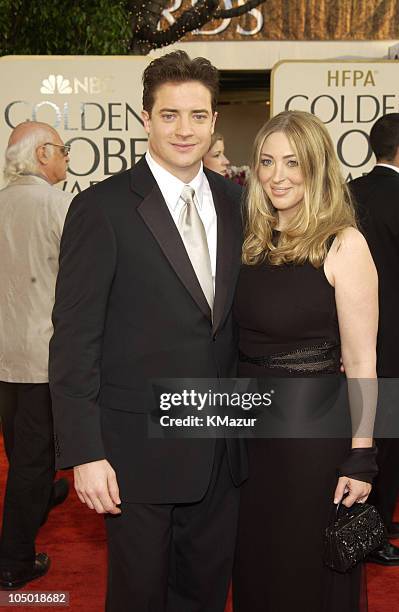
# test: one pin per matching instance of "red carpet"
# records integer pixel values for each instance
(74, 539)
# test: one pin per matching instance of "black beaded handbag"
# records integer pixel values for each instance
(355, 532)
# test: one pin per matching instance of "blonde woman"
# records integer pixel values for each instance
(307, 294)
(215, 158)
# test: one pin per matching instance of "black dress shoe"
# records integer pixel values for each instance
(10, 581)
(59, 494)
(393, 531)
(387, 554)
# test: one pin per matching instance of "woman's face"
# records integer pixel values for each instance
(215, 159)
(280, 175)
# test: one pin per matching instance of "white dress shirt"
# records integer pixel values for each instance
(171, 188)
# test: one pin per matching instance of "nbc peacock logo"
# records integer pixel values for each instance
(59, 84)
(56, 84)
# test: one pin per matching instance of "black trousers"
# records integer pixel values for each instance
(386, 487)
(175, 557)
(27, 425)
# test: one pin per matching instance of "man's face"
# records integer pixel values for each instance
(180, 127)
(54, 159)
(57, 162)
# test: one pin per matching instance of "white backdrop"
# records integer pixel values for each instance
(348, 96)
(93, 102)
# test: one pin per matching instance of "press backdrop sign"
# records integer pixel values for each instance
(348, 96)
(93, 102)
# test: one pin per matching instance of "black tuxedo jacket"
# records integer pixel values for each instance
(128, 309)
(377, 198)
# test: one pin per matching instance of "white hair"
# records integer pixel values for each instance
(21, 158)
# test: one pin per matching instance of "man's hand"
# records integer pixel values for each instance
(96, 486)
(358, 491)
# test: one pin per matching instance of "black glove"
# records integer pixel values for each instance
(360, 464)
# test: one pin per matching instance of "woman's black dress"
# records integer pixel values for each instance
(288, 500)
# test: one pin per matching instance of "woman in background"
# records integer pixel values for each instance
(307, 293)
(215, 158)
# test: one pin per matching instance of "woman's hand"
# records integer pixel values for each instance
(358, 491)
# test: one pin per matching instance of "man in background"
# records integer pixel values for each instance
(377, 197)
(32, 213)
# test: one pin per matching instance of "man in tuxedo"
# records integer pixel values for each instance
(148, 265)
(377, 198)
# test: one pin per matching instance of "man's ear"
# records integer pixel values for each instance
(42, 155)
(395, 161)
(146, 120)
(213, 122)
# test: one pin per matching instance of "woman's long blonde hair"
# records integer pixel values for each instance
(326, 209)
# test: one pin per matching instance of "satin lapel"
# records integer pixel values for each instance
(226, 241)
(156, 216)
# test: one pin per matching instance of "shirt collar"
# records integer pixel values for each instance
(389, 166)
(28, 178)
(171, 187)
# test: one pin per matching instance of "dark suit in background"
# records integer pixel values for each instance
(377, 198)
(129, 308)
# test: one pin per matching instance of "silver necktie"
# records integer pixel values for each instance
(193, 235)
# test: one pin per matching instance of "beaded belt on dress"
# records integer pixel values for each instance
(319, 358)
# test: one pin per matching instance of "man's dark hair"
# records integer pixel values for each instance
(384, 137)
(177, 67)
